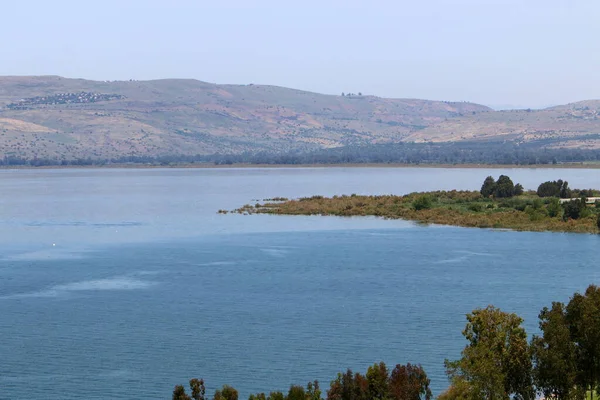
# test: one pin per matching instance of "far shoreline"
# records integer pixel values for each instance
(300, 166)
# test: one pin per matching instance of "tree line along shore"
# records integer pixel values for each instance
(498, 362)
(500, 203)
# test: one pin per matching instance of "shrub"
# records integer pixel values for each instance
(554, 208)
(423, 203)
(574, 209)
(518, 189)
(476, 207)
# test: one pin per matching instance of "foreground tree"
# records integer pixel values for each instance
(226, 393)
(313, 391)
(406, 382)
(377, 377)
(197, 388)
(496, 364)
(409, 382)
(583, 317)
(349, 386)
(555, 371)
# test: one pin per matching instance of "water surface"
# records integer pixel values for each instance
(123, 283)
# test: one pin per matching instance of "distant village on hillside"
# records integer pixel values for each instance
(63, 98)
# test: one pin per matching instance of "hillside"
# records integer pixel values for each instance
(54, 117)
(575, 125)
(50, 117)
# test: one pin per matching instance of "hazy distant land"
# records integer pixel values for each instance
(57, 119)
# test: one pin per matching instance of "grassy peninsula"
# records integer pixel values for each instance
(499, 204)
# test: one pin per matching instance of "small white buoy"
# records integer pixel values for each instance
(53, 244)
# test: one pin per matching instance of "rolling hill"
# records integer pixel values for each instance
(54, 117)
(575, 125)
(50, 117)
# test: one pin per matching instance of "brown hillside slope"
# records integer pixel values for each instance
(54, 117)
(575, 125)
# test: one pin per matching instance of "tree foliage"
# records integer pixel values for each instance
(502, 188)
(583, 317)
(226, 393)
(406, 382)
(553, 188)
(555, 370)
(409, 382)
(424, 202)
(487, 189)
(574, 209)
(496, 363)
(197, 388)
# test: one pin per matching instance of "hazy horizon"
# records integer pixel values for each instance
(504, 54)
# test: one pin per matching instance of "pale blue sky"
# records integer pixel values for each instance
(497, 52)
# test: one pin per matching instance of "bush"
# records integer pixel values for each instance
(554, 208)
(575, 209)
(423, 203)
(476, 207)
(518, 189)
(534, 214)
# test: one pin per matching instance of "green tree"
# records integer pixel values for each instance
(496, 364)
(179, 393)
(198, 389)
(377, 376)
(555, 370)
(226, 393)
(583, 317)
(598, 220)
(519, 189)
(458, 390)
(574, 209)
(550, 188)
(504, 187)
(349, 386)
(258, 396)
(409, 382)
(565, 192)
(276, 396)
(296, 392)
(488, 187)
(313, 391)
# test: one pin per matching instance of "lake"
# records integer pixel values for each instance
(121, 283)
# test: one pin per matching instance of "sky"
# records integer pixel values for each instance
(503, 53)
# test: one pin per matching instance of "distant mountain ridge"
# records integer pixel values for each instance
(52, 117)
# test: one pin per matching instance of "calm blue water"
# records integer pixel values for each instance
(119, 284)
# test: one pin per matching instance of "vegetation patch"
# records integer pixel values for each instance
(499, 204)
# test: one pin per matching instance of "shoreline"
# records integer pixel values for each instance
(469, 209)
(300, 166)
